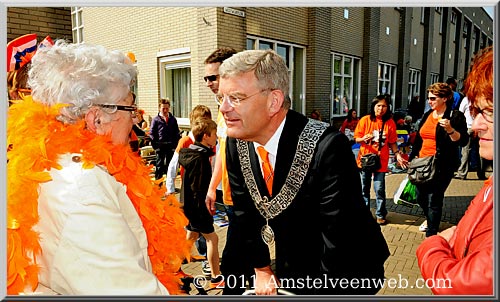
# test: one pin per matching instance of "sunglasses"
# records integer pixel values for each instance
(433, 98)
(211, 78)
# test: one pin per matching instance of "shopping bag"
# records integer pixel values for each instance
(406, 194)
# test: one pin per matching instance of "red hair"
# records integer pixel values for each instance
(479, 82)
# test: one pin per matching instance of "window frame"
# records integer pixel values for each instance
(391, 80)
(433, 78)
(354, 75)
(176, 59)
(77, 24)
(299, 89)
(414, 77)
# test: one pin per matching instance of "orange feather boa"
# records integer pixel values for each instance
(38, 139)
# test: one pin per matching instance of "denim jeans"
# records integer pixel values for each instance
(378, 187)
(430, 197)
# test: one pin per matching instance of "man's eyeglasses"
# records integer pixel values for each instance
(486, 113)
(235, 101)
(211, 78)
(113, 108)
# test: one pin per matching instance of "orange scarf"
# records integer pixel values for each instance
(38, 139)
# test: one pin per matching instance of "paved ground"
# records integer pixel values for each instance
(401, 233)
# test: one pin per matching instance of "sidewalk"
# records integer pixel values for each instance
(401, 233)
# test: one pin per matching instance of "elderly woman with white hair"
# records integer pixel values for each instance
(83, 216)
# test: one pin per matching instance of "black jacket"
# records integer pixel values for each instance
(447, 151)
(196, 178)
(327, 230)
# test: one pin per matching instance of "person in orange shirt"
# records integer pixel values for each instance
(440, 132)
(375, 139)
(464, 254)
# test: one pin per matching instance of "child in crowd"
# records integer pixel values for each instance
(195, 182)
(185, 142)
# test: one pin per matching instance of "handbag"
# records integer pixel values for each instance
(370, 162)
(406, 194)
(422, 170)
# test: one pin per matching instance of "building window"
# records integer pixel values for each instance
(346, 13)
(439, 9)
(453, 17)
(77, 24)
(175, 83)
(441, 20)
(434, 78)
(422, 15)
(386, 79)
(294, 57)
(466, 29)
(345, 84)
(413, 83)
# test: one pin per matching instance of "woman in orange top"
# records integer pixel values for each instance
(440, 132)
(367, 133)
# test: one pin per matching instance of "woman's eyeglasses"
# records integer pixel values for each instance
(486, 113)
(109, 108)
(211, 78)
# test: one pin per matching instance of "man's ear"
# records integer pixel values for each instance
(92, 119)
(277, 99)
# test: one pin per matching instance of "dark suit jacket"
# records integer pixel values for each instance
(326, 231)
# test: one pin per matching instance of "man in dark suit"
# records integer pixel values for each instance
(309, 203)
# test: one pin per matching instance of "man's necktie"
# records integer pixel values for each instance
(266, 168)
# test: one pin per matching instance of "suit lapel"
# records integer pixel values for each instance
(287, 146)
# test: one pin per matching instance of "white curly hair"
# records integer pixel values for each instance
(80, 75)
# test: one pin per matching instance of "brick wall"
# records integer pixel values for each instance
(146, 31)
(287, 24)
(53, 21)
(347, 34)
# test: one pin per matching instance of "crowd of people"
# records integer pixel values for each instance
(84, 216)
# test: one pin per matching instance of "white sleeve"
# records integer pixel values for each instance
(96, 244)
(172, 173)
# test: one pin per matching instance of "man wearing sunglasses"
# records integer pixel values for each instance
(219, 190)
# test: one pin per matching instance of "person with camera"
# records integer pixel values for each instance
(376, 132)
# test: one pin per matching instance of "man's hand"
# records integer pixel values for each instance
(210, 201)
(266, 282)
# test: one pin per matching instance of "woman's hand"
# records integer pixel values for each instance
(448, 233)
(445, 123)
(367, 138)
(403, 163)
